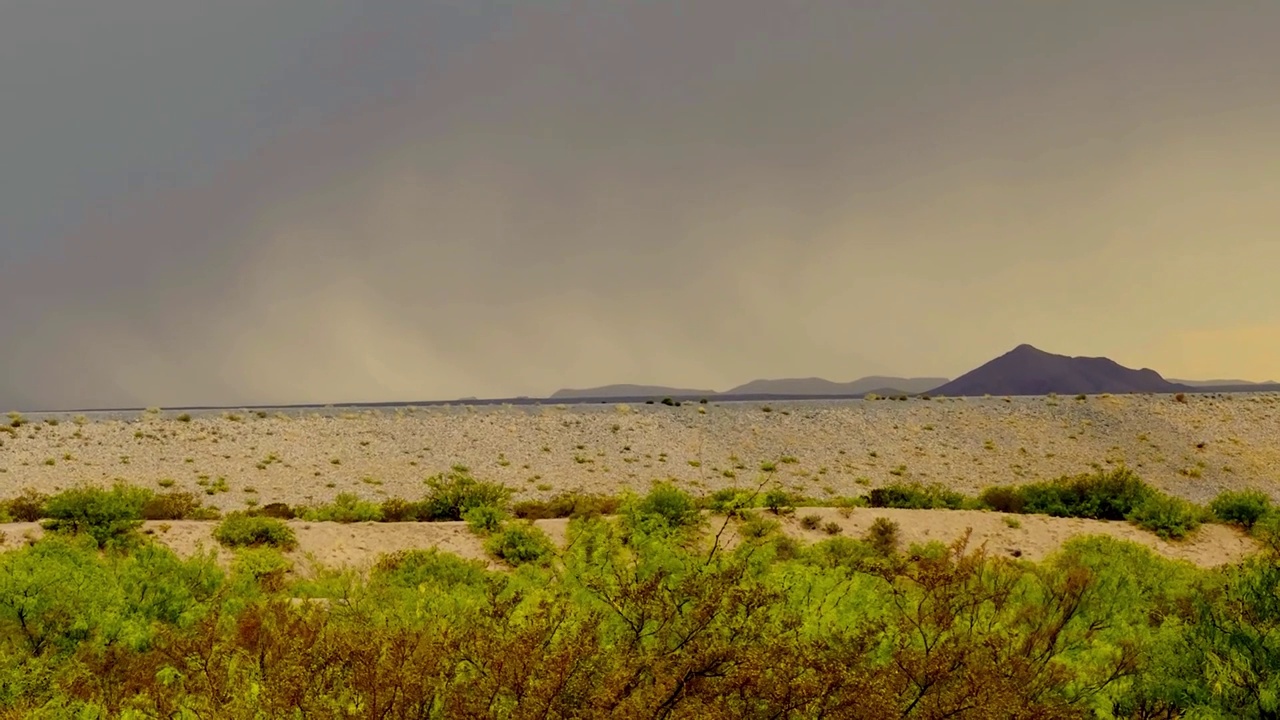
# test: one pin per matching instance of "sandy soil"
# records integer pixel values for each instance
(832, 448)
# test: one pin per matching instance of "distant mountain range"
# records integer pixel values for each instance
(787, 387)
(1025, 370)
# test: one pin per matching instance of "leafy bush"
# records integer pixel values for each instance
(779, 501)
(1169, 517)
(1003, 498)
(1244, 508)
(453, 493)
(756, 527)
(176, 506)
(484, 519)
(810, 522)
(1102, 495)
(264, 566)
(105, 515)
(345, 508)
(411, 568)
(731, 502)
(566, 505)
(667, 505)
(520, 544)
(400, 510)
(883, 536)
(915, 496)
(27, 507)
(239, 529)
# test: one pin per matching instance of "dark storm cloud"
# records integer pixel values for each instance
(238, 202)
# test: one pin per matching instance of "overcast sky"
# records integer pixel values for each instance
(233, 202)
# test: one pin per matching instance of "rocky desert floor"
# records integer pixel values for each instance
(1192, 448)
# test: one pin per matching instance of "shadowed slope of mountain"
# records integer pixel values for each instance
(820, 386)
(1026, 370)
(1219, 383)
(628, 391)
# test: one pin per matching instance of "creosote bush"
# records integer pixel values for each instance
(239, 529)
(345, 508)
(566, 505)
(1244, 508)
(452, 493)
(176, 506)
(520, 544)
(108, 516)
(665, 506)
(915, 496)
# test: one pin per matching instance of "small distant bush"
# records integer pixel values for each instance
(105, 515)
(756, 527)
(779, 501)
(277, 510)
(28, 506)
(484, 519)
(810, 522)
(1169, 517)
(566, 505)
(401, 510)
(176, 506)
(915, 496)
(1003, 498)
(239, 529)
(832, 528)
(411, 568)
(264, 566)
(345, 508)
(1244, 507)
(883, 536)
(520, 544)
(731, 502)
(668, 505)
(453, 493)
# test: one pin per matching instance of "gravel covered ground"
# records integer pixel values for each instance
(821, 448)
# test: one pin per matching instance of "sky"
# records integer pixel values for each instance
(234, 202)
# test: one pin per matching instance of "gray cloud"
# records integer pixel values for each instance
(229, 202)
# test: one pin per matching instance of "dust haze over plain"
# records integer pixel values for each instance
(235, 202)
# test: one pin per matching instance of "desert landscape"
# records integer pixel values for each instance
(1191, 446)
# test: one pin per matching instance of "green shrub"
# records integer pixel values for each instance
(1244, 508)
(520, 543)
(105, 515)
(401, 510)
(1102, 495)
(264, 566)
(756, 527)
(667, 505)
(566, 505)
(1003, 498)
(484, 519)
(28, 506)
(345, 508)
(810, 522)
(176, 506)
(411, 568)
(729, 501)
(239, 529)
(1169, 517)
(832, 528)
(453, 493)
(779, 501)
(915, 496)
(883, 536)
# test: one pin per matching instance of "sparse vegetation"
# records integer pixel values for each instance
(239, 530)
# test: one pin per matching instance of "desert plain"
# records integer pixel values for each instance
(1193, 447)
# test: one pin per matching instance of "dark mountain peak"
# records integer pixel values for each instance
(1027, 370)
